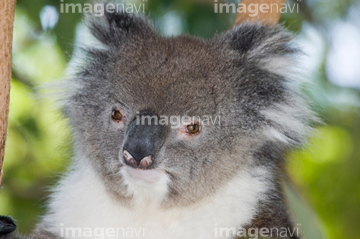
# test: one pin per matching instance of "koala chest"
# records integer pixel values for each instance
(89, 212)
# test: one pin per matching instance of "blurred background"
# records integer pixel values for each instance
(323, 186)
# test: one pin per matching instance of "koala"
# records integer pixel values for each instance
(196, 179)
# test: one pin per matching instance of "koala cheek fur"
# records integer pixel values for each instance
(225, 175)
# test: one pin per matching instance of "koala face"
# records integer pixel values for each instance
(232, 90)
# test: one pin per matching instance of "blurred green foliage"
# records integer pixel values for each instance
(38, 149)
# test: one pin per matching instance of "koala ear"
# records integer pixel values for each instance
(260, 39)
(114, 27)
(269, 82)
(267, 46)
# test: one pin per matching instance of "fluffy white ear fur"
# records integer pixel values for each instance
(61, 91)
(81, 204)
(290, 118)
(287, 120)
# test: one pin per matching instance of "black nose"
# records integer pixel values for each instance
(143, 141)
(144, 163)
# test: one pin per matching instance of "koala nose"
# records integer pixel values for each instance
(143, 163)
(143, 142)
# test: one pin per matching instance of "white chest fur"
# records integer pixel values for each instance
(81, 208)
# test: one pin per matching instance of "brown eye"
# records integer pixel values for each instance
(116, 115)
(193, 128)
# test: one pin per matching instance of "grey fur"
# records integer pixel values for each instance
(138, 70)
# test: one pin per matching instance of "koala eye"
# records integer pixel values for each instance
(193, 128)
(116, 115)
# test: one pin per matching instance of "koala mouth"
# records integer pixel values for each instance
(140, 175)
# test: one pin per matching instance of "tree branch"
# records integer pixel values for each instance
(7, 9)
(269, 14)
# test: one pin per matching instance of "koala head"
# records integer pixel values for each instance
(176, 118)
